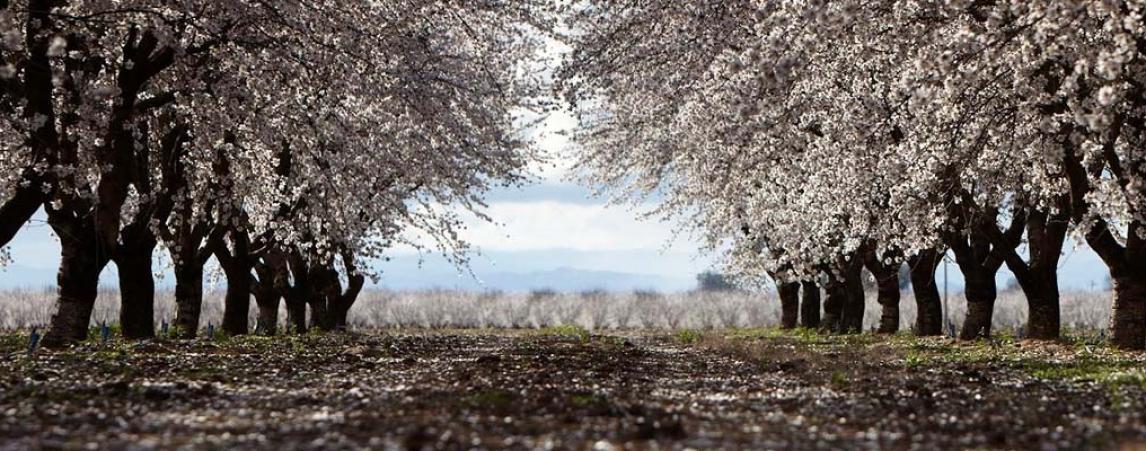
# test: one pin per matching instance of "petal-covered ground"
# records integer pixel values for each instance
(564, 388)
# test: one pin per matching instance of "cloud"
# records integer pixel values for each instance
(548, 224)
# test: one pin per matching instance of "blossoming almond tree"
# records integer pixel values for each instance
(388, 112)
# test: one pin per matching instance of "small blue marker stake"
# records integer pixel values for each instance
(33, 341)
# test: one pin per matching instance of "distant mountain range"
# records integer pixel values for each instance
(565, 270)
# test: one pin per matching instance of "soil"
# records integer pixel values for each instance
(562, 389)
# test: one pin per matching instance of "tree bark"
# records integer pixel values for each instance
(854, 301)
(1128, 323)
(980, 292)
(268, 304)
(267, 295)
(136, 290)
(299, 293)
(346, 299)
(789, 303)
(834, 305)
(810, 306)
(80, 265)
(929, 310)
(188, 297)
(887, 281)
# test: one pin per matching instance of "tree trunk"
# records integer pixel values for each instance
(854, 301)
(237, 303)
(834, 305)
(887, 281)
(1128, 323)
(136, 291)
(299, 293)
(929, 310)
(810, 306)
(188, 297)
(80, 265)
(1043, 319)
(268, 303)
(789, 303)
(355, 282)
(889, 303)
(980, 293)
(325, 291)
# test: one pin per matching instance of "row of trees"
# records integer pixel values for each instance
(808, 140)
(290, 140)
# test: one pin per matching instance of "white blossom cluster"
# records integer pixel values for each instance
(792, 133)
(321, 125)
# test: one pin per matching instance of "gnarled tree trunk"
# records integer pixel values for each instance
(887, 281)
(188, 297)
(81, 262)
(929, 310)
(980, 292)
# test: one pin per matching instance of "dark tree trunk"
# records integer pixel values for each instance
(810, 306)
(268, 321)
(1128, 273)
(929, 310)
(326, 292)
(789, 303)
(80, 265)
(1128, 323)
(136, 290)
(980, 292)
(834, 305)
(889, 303)
(299, 293)
(346, 299)
(188, 297)
(1043, 320)
(854, 300)
(267, 295)
(237, 303)
(887, 281)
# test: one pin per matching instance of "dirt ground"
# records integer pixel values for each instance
(565, 388)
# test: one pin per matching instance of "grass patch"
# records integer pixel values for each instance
(687, 336)
(566, 331)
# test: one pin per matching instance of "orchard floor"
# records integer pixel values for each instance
(564, 388)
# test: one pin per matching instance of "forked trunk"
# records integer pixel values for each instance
(789, 304)
(810, 306)
(929, 310)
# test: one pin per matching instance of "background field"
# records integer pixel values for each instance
(592, 310)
